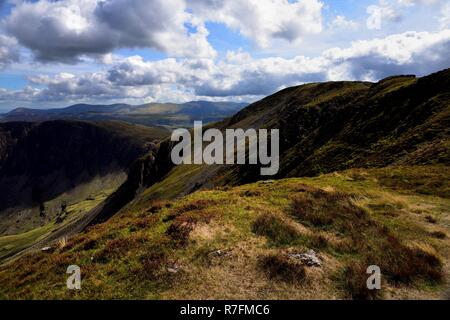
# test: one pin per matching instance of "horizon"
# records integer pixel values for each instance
(143, 51)
(7, 110)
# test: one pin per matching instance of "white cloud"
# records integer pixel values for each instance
(378, 14)
(239, 76)
(388, 11)
(264, 20)
(9, 51)
(341, 22)
(65, 30)
(414, 2)
(444, 19)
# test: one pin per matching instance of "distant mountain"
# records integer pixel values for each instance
(152, 114)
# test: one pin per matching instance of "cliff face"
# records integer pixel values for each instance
(42, 160)
(143, 173)
(326, 127)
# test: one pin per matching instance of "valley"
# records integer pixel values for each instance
(363, 180)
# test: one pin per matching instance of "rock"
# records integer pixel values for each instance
(174, 269)
(219, 253)
(309, 258)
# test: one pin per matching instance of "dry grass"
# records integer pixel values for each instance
(369, 242)
(281, 267)
(226, 246)
(277, 230)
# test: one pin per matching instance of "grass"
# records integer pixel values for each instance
(12, 244)
(236, 243)
(278, 231)
(282, 267)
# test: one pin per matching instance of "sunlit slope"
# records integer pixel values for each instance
(241, 242)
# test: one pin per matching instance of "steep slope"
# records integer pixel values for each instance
(326, 127)
(245, 242)
(43, 161)
(373, 162)
(151, 114)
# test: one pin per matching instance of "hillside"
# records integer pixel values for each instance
(151, 114)
(326, 127)
(364, 180)
(244, 242)
(44, 166)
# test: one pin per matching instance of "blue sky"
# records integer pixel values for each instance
(138, 51)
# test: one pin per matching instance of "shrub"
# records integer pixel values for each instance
(146, 222)
(430, 219)
(318, 241)
(328, 210)
(272, 227)
(117, 248)
(179, 231)
(88, 244)
(153, 262)
(278, 266)
(250, 193)
(439, 234)
(399, 263)
(372, 242)
(196, 205)
(156, 206)
(182, 225)
(355, 282)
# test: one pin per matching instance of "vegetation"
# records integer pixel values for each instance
(239, 243)
(374, 190)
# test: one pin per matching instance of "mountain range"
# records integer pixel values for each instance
(151, 114)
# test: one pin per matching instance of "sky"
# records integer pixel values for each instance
(54, 53)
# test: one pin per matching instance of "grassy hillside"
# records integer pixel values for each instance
(334, 126)
(364, 180)
(241, 242)
(61, 163)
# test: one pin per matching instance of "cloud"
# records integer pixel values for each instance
(66, 30)
(419, 53)
(238, 76)
(9, 51)
(388, 11)
(264, 20)
(341, 22)
(414, 2)
(444, 19)
(378, 14)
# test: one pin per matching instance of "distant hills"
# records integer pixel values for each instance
(152, 114)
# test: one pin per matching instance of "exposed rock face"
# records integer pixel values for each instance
(42, 160)
(324, 127)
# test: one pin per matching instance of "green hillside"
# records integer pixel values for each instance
(240, 243)
(364, 180)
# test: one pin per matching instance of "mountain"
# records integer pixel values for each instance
(363, 180)
(50, 162)
(326, 127)
(152, 114)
